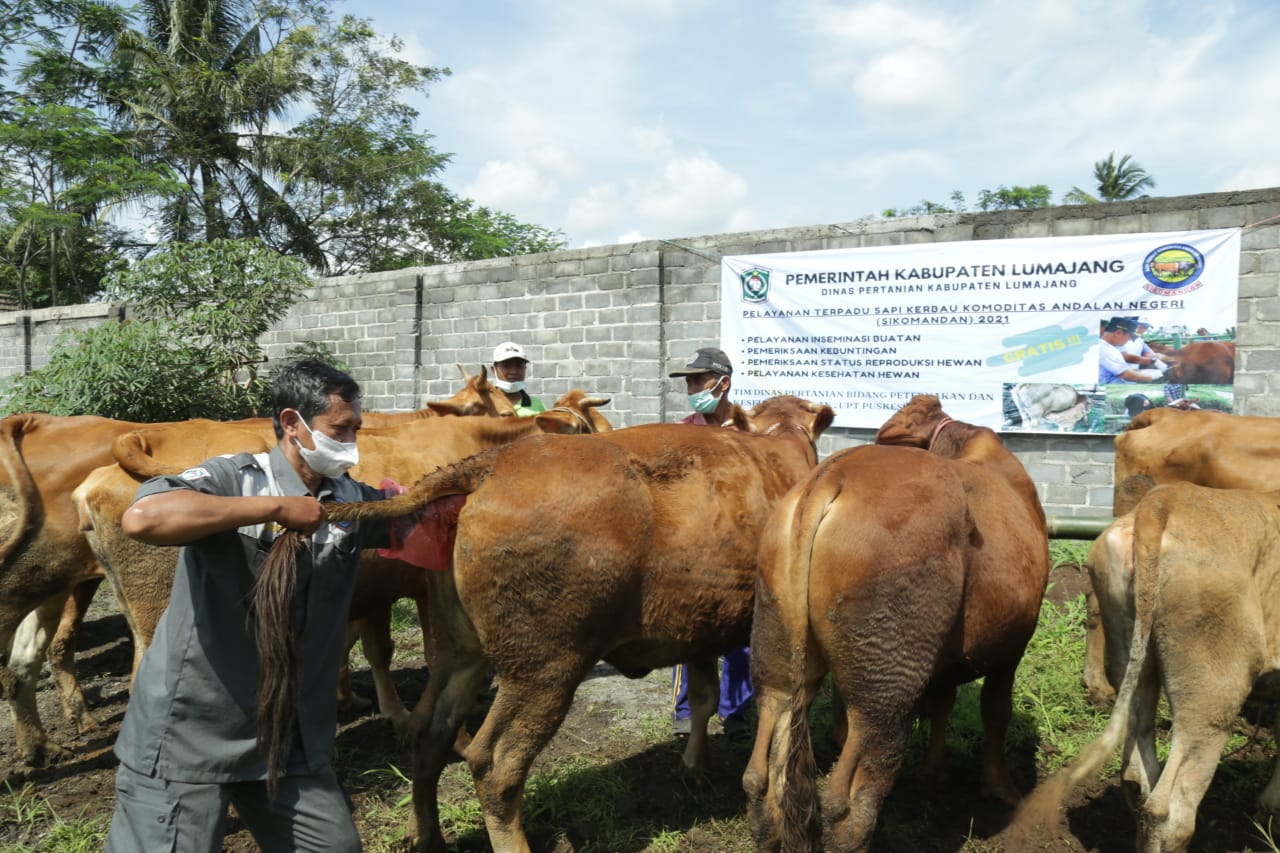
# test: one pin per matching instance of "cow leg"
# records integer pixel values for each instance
(997, 710)
(1269, 799)
(375, 638)
(861, 779)
(348, 700)
(62, 656)
(1167, 819)
(433, 728)
(525, 714)
(938, 702)
(1101, 693)
(1140, 766)
(764, 777)
(704, 697)
(20, 677)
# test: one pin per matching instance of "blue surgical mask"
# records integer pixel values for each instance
(705, 402)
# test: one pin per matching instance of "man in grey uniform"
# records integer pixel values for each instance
(188, 744)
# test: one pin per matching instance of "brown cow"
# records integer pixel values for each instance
(1202, 363)
(44, 556)
(1170, 446)
(904, 573)
(636, 547)
(1188, 584)
(142, 575)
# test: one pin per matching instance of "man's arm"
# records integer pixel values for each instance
(182, 516)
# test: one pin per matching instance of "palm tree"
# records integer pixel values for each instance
(1116, 182)
(199, 86)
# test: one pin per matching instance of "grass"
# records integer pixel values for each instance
(585, 801)
(41, 828)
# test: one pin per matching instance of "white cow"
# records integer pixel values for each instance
(1061, 405)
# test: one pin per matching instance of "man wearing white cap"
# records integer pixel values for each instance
(509, 367)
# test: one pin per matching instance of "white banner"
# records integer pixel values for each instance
(990, 326)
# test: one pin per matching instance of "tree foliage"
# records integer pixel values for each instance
(1015, 198)
(1115, 182)
(191, 352)
(206, 120)
(1001, 198)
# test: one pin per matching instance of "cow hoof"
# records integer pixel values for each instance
(399, 721)
(1100, 697)
(1005, 793)
(44, 754)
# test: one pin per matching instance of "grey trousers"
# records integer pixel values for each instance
(153, 815)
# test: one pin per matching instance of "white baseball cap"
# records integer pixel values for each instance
(507, 350)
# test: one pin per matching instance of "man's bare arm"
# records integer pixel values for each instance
(180, 517)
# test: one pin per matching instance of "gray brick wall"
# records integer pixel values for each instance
(613, 320)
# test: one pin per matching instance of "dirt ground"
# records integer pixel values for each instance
(614, 719)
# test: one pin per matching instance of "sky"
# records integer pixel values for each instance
(622, 120)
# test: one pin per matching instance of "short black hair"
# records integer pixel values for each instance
(307, 386)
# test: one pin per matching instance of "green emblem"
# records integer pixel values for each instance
(755, 285)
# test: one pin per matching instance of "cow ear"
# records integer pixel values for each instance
(739, 419)
(557, 423)
(444, 409)
(823, 416)
(466, 377)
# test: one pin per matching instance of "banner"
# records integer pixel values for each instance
(1016, 335)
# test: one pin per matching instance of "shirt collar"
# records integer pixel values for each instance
(290, 483)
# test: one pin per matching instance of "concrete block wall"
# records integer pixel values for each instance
(614, 320)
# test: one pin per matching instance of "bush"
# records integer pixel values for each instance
(194, 350)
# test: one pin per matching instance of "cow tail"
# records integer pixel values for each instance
(1043, 806)
(25, 494)
(801, 830)
(278, 674)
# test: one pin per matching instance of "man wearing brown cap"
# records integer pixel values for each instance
(708, 378)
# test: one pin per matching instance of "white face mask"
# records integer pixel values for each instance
(509, 387)
(331, 458)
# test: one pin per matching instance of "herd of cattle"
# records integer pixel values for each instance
(903, 569)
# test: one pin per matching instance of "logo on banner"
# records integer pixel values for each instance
(1173, 270)
(755, 285)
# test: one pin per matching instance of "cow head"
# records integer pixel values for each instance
(914, 424)
(478, 397)
(575, 413)
(785, 412)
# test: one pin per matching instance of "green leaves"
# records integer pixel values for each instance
(194, 350)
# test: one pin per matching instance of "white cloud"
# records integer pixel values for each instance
(601, 208)
(631, 237)
(1257, 176)
(691, 195)
(511, 186)
(895, 167)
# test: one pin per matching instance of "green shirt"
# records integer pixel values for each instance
(529, 405)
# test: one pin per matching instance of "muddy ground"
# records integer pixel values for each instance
(619, 722)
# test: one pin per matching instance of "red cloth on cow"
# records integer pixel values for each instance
(424, 539)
